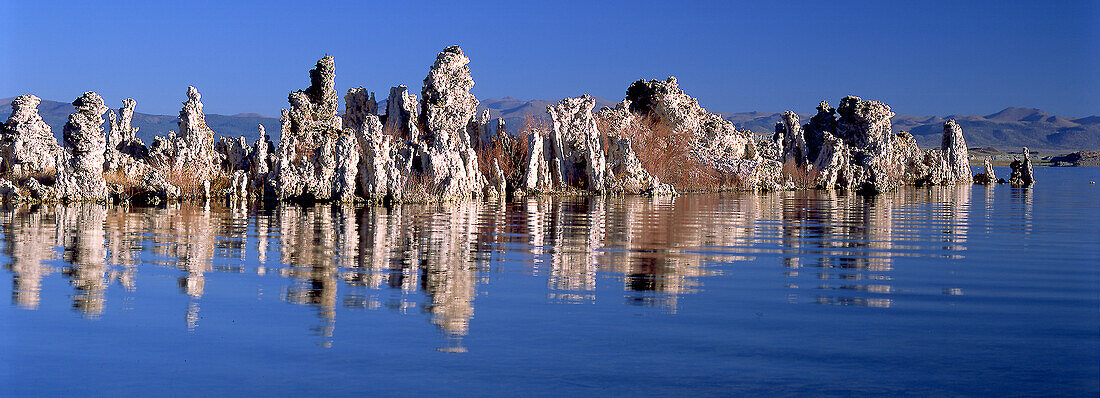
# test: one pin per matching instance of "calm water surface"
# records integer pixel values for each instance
(941, 291)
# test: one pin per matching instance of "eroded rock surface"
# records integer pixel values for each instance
(82, 178)
(446, 159)
(402, 114)
(988, 175)
(190, 152)
(715, 141)
(575, 151)
(27, 145)
(626, 174)
(317, 158)
(949, 164)
(1022, 173)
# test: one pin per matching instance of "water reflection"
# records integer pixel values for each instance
(436, 259)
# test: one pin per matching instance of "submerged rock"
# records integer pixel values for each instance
(1022, 173)
(27, 146)
(82, 178)
(446, 160)
(317, 158)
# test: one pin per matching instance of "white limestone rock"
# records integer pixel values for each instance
(575, 144)
(317, 159)
(536, 171)
(447, 161)
(716, 142)
(82, 178)
(27, 146)
(190, 151)
(402, 114)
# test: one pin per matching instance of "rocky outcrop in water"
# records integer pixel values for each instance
(626, 174)
(575, 154)
(27, 146)
(792, 140)
(386, 164)
(1022, 173)
(190, 152)
(447, 161)
(317, 158)
(82, 178)
(950, 163)
(714, 140)
(440, 149)
(536, 168)
(261, 163)
(987, 176)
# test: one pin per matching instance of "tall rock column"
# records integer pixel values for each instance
(402, 114)
(954, 152)
(189, 154)
(1022, 173)
(27, 146)
(123, 145)
(575, 143)
(82, 179)
(446, 157)
(792, 140)
(318, 158)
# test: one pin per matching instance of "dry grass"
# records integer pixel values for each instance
(666, 154)
(511, 153)
(802, 177)
(129, 187)
(189, 177)
(46, 176)
(419, 187)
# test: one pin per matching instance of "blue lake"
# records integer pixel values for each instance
(966, 290)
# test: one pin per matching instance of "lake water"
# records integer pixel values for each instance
(926, 291)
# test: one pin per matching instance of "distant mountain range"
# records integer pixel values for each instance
(1008, 129)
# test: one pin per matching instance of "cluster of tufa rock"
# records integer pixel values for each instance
(853, 147)
(438, 148)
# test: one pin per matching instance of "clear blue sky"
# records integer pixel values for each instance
(922, 57)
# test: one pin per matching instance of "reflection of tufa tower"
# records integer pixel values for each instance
(29, 238)
(82, 237)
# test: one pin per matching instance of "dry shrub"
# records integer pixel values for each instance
(129, 186)
(47, 176)
(511, 153)
(394, 131)
(419, 187)
(665, 153)
(802, 177)
(189, 178)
